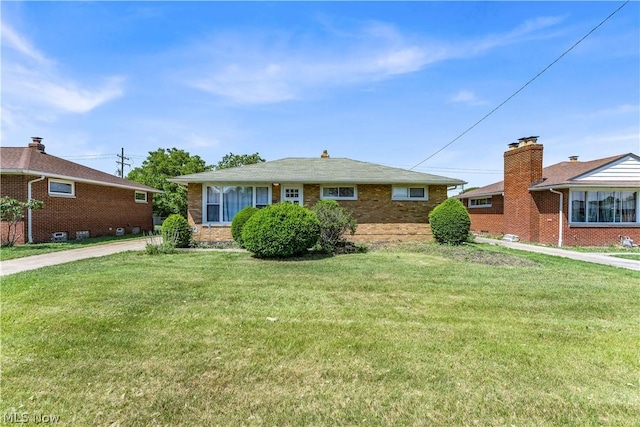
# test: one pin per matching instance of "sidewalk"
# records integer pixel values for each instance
(600, 258)
(18, 265)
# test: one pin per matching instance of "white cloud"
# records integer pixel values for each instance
(467, 97)
(41, 91)
(262, 68)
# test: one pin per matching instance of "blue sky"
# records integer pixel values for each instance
(384, 82)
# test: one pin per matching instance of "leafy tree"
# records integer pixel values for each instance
(168, 163)
(234, 160)
(12, 211)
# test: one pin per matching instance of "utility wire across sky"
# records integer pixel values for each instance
(523, 86)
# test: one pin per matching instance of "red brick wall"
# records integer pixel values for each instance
(98, 209)
(14, 186)
(522, 167)
(379, 218)
(487, 220)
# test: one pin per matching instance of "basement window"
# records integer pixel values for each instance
(61, 188)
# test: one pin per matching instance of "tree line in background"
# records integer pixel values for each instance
(165, 163)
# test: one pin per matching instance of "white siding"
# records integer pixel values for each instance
(625, 169)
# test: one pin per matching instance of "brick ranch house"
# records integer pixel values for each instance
(78, 200)
(388, 203)
(572, 203)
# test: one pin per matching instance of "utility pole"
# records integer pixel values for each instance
(121, 163)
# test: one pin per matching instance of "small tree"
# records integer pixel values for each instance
(12, 212)
(335, 221)
(450, 222)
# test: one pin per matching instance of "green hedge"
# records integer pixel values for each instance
(239, 220)
(281, 230)
(176, 231)
(450, 222)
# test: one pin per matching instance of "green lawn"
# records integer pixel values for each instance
(417, 335)
(21, 251)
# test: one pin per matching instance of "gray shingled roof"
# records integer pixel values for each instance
(317, 171)
(29, 161)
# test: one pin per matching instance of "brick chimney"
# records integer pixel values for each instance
(325, 154)
(573, 158)
(522, 169)
(36, 144)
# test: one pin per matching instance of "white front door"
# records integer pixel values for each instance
(292, 193)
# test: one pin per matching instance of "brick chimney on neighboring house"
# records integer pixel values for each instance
(522, 168)
(36, 144)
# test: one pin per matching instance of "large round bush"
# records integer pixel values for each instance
(176, 231)
(239, 220)
(450, 222)
(281, 230)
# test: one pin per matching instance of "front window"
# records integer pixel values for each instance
(58, 187)
(604, 206)
(484, 202)
(222, 203)
(409, 193)
(339, 193)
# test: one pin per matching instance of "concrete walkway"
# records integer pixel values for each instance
(599, 258)
(18, 265)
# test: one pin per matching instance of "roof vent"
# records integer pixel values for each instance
(573, 158)
(325, 154)
(36, 144)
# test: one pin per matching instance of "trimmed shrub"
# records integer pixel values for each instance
(176, 231)
(450, 222)
(280, 230)
(334, 221)
(239, 221)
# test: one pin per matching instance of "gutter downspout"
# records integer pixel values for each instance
(28, 200)
(560, 214)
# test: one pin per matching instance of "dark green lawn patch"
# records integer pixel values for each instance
(382, 338)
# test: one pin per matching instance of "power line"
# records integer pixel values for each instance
(525, 85)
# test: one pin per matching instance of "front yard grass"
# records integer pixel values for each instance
(434, 336)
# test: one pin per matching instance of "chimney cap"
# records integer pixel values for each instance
(36, 144)
(573, 158)
(325, 154)
(513, 145)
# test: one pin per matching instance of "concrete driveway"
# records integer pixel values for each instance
(18, 265)
(599, 258)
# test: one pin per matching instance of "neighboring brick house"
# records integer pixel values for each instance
(78, 200)
(388, 203)
(599, 199)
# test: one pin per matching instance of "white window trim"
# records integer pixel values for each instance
(230, 184)
(486, 205)
(62, 181)
(603, 224)
(146, 197)
(355, 192)
(409, 198)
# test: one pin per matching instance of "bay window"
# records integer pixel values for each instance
(223, 202)
(604, 206)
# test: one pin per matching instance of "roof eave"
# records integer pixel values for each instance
(76, 179)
